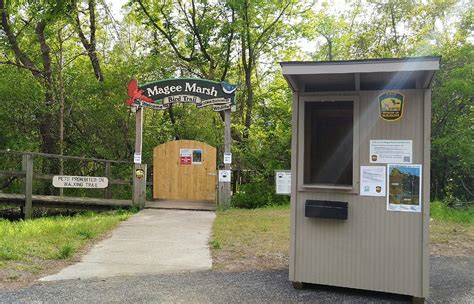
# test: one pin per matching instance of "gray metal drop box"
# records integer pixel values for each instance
(326, 209)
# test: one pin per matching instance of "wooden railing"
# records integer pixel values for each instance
(26, 199)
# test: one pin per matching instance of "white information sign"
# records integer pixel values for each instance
(224, 176)
(391, 151)
(66, 181)
(372, 181)
(137, 158)
(283, 182)
(227, 158)
(186, 152)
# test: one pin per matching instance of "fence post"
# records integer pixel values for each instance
(139, 185)
(108, 173)
(61, 172)
(27, 167)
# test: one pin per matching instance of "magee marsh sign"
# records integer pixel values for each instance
(65, 181)
(161, 94)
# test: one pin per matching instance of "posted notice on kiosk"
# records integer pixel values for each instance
(372, 181)
(391, 151)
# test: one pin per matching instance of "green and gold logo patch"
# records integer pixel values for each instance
(391, 105)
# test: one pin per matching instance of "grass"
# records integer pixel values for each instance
(258, 239)
(25, 244)
(251, 239)
(441, 212)
(451, 230)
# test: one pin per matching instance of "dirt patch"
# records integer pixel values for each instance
(246, 261)
(451, 239)
(20, 274)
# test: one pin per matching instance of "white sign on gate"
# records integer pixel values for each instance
(66, 181)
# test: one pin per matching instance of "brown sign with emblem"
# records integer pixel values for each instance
(391, 105)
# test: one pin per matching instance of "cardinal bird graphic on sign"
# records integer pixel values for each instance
(134, 93)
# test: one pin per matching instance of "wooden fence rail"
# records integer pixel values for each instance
(27, 199)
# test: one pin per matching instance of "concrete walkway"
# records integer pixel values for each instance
(181, 205)
(150, 242)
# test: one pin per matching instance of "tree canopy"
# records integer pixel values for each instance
(65, 66)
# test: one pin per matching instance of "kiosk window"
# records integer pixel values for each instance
(328, 154)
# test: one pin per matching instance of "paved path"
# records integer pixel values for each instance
(451, 282)
(181, 205)
(150, 242)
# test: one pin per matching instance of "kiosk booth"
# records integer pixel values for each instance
(360, 169)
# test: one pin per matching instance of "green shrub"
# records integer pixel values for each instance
(258, 192)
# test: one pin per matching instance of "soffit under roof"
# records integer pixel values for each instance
(353, 75)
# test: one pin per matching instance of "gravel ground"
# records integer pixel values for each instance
(451, 282)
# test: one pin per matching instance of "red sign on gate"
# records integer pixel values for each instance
(185, 156)
(185, 160)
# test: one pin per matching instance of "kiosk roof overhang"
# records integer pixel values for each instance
(367, 74)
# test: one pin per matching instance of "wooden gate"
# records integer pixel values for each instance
(184, 170)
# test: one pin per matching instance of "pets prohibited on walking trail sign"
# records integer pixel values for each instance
(65, 181)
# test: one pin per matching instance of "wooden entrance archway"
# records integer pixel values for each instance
(184, 170)
(160, 95)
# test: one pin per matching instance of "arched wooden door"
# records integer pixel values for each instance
(184, 170)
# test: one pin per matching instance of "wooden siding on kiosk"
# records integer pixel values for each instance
(373, 249)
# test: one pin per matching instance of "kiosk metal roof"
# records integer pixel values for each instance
(366, 74)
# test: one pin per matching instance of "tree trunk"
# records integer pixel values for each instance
(47, 117)
(330, 49)
(90, 45)
(249, 101)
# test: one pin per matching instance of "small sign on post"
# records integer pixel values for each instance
(227, 158)
(224, 176)
(283, 182)
(139, 173)
(64, 181)
(137, 158)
